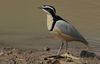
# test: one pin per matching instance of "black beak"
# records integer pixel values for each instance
(40, 8)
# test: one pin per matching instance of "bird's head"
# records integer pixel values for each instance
(48, 9)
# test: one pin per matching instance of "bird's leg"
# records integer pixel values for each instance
(67, 47)
(60, 48)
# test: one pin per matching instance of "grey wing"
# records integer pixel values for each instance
(68, 29)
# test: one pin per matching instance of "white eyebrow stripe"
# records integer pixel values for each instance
(49, 7)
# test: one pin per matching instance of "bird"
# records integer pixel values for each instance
(61, 29)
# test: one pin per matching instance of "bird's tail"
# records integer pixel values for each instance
(84, 41)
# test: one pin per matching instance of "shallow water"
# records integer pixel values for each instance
(23, 25)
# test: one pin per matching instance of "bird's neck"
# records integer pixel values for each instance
(49, 17)
(49, 21)
(52, 14)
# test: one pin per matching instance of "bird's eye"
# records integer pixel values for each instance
(47, 9)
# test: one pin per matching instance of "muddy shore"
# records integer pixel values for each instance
(34, 56)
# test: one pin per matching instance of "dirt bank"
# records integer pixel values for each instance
(33, 56)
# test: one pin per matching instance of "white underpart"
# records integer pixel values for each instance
(46, 11)
(49, 21)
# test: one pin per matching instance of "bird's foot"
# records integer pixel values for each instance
(68, 55)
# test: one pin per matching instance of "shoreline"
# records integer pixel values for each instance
(34, 56)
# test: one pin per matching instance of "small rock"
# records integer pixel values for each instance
(41, 62)
(1, 53)
(48, 61)
(45, 59)
(87, 54)
(47, 49)
(54, 61)
(69, 60)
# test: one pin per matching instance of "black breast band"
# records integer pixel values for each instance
(54, 22)
(55, 19)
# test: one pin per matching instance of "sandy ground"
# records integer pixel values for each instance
(33, 56)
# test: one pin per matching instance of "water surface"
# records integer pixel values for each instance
(23, 25)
